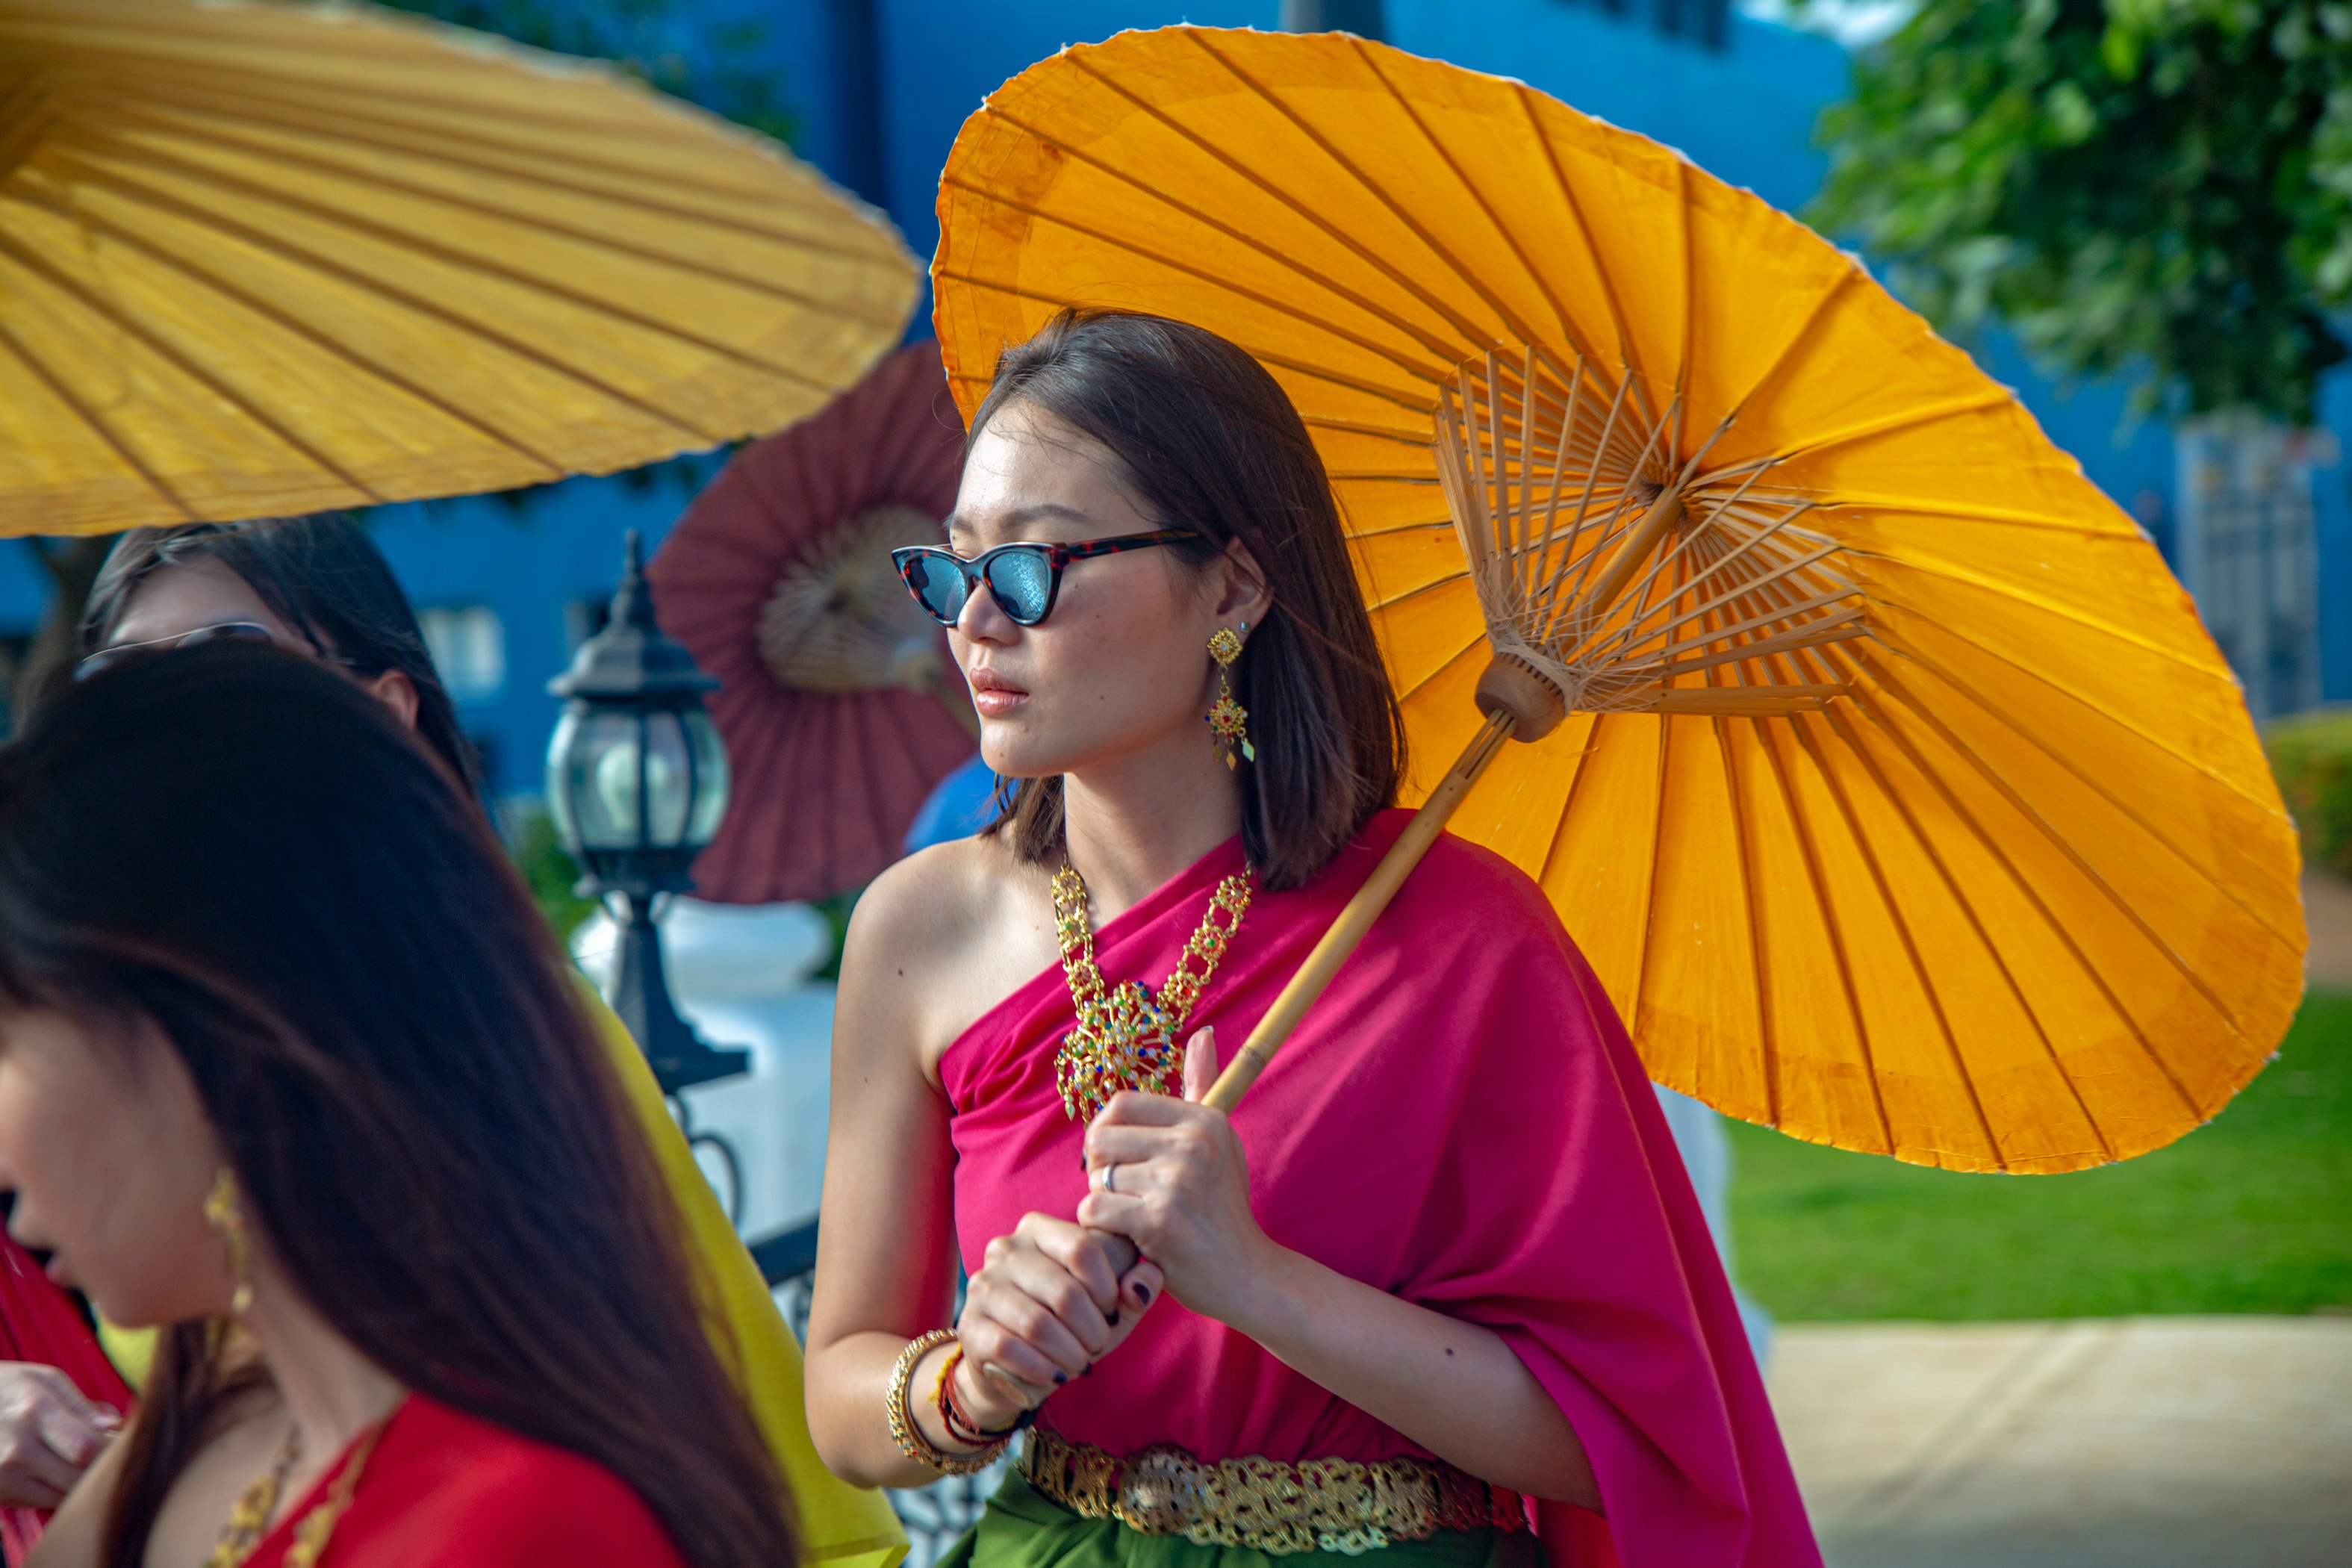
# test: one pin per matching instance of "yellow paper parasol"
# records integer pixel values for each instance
(261, 258)
(1902, 803)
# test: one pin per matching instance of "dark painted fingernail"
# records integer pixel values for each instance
(1060, 1378)
(1143, 1295)
(1114, 1317)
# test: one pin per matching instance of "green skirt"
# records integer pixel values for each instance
(1022, 1528)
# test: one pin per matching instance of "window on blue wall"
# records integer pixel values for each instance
(1703, 22)
(469, 649)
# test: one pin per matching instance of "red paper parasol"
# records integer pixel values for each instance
(838, 700)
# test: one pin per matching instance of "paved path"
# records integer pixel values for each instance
(2328, 911)
(2127, 1443)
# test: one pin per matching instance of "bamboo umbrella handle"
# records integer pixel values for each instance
(1346, 932)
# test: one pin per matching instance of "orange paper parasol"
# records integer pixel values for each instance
(261, 258)
(1900, 800)
(836, 696)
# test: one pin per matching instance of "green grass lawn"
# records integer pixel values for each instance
(2252, 1212)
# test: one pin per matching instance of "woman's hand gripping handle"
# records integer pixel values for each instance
(1167, 1179)
(1048, 1302)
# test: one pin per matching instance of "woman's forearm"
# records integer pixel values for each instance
(848, 1388)
(1454, 1388)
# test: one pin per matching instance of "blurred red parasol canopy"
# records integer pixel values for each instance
(840, 705)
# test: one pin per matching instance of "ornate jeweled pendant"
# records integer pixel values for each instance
(1125, 1040)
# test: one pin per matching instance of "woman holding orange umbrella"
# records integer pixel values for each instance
(1389, 1324)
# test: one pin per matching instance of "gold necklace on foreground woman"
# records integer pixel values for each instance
(1125, 1037)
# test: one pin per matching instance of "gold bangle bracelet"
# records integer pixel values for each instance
(909, 1435)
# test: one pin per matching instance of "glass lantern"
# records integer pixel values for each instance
(636, 785)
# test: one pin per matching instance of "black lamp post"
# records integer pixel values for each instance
(636, 781)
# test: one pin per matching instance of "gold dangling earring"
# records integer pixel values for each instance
(225, 1214)
(1228, 720)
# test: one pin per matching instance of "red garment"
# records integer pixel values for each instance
(445, 1489)
(38, 1322)
(1461, 1122)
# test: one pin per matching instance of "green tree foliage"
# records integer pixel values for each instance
(2156, 188)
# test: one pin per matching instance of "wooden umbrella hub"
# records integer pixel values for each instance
(1617, 575)
(839, 620)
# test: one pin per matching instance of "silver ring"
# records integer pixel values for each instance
(1110, 1178)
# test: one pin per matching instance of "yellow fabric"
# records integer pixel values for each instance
(2022, 899)
(269, 259)
(132, 1352)
(839, 1523)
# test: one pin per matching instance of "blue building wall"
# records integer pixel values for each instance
(880, 88)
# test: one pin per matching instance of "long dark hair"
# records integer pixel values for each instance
(1208, 443)
(248, 848)
(321, 574)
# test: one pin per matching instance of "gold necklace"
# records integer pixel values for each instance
(1125, 1037)
(315, 1528)
(248, 1522)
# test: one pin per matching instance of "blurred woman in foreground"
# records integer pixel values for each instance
(258, 1087)
(318, 586)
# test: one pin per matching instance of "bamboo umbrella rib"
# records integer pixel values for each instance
(1434, 304)
(116, 180)
(1202, 272)
(2023, 886)
(91, 422)
(1922, 710)
(1379, 476)
(1771, 737)
(1803, 337)
(1767, 1041)
(1765, 542)
(1955, 511)
(1160, 194)
(1894, 423)
(1903, 933)
(411, 300)
(1452, 661)
(143, 153)
(1454, 166)
(1926, 846)
(1685, 277)
(226, 289)
(468, 156)
(1297, 366)
(423, 112)
(1463, 274)
(1567, 192)
(32, 261)
(1436, 523)
(1928, 566)
(1791, 611)
(1417, 440)
(2140, 732)
(1648, 928)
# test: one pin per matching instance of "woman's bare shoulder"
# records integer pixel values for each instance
(932, 902)
(946, 934)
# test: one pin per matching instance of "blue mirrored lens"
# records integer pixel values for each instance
(1022, 580)
(939, 586)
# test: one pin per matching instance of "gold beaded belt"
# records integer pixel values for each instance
(1330, 1505)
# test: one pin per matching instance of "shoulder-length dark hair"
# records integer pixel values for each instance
(321, 574)
(239, 843)
(1208, 443)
